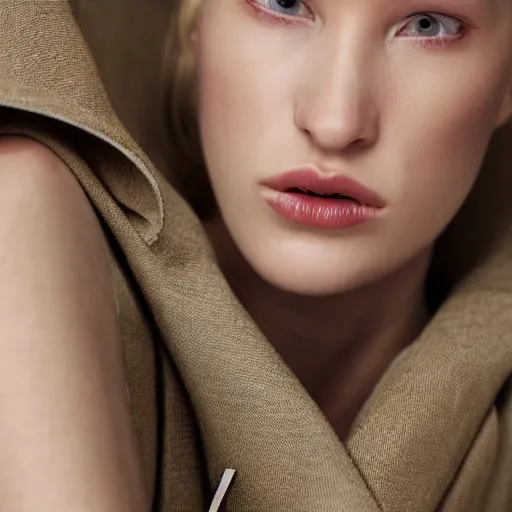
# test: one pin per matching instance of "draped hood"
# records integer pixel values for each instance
(208, 392)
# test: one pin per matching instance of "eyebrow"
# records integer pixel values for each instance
(493, 7)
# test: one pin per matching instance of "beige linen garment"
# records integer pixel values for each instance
(207, 390)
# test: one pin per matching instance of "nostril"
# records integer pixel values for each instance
(332, 131)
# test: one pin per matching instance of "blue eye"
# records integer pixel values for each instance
(428, 26)
(431, 26)
(289, 7)
(284, 8)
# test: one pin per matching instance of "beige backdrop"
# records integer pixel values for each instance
(127, 39)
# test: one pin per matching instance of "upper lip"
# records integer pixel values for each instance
(310, 180)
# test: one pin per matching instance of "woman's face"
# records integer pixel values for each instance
(399, 96)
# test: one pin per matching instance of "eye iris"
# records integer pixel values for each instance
(428, 26)
(286, 6)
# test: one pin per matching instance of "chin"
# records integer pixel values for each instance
(312, 271)
(305, 286)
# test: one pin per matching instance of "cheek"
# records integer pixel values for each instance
(228, 116)
(245, 92)
(442, 132)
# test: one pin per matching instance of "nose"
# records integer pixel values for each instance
(335, 106)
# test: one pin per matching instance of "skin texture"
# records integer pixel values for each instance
(347, 88)
(343, 95)
(66, 440)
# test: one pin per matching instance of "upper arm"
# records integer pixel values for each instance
(66, 441)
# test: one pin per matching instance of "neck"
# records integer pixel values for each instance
(338, 346)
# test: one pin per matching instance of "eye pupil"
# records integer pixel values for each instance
(425, 23)
(428, 26)
(286, 4)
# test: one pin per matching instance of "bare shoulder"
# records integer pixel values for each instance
(61, 364)
(28, 153)
(32, 171)
(45, 213)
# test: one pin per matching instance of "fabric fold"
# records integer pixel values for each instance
(207, 390)
(48, 70)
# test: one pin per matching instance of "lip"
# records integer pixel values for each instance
(313, 181)
(353, 203)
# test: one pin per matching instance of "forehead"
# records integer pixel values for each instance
(494, 11)
(426, 5)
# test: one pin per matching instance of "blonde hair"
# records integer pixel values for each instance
(180, 100)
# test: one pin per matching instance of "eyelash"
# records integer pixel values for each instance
(463, 28)
(276, 17)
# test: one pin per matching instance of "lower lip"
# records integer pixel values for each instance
(320, 212)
